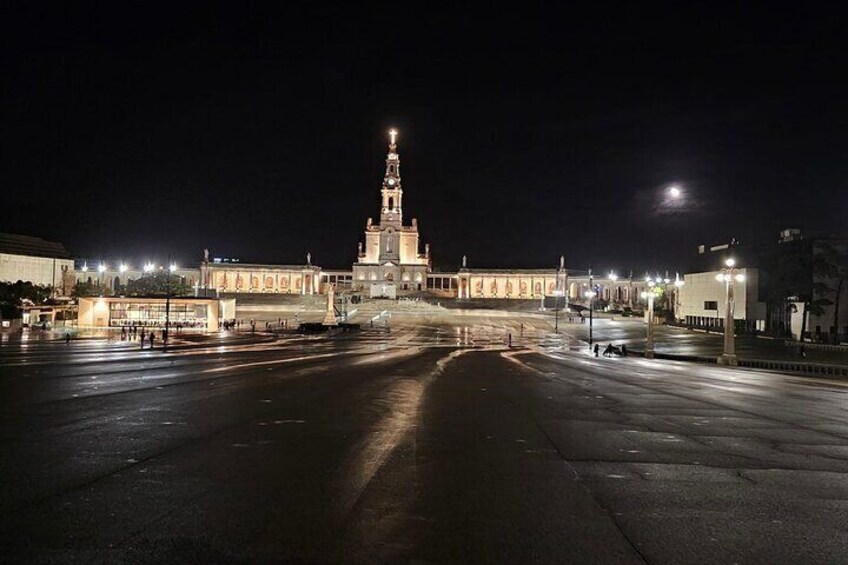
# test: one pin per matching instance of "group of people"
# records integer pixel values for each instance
(158, 324)
(611, 350)
(282, 324)
(140, 332)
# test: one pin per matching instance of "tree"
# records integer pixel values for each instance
(795, 275)
(834, 267)
(14, 295)
(157, 284)
(85, 289)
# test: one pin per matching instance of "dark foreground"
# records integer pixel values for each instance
(429, 443)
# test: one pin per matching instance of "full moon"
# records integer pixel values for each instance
(674, 191)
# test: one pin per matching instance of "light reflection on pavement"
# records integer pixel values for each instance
(423, 438)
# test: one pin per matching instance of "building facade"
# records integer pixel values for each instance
(703, 301)
(390, 262)
(391, 254)
(35, 260)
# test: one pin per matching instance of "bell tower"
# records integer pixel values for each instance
(391, 212)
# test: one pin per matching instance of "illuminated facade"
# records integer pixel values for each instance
(391, 252)
(389, 262)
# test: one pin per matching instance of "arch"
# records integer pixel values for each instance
(116, 284)
(390, 277)
(391, 202)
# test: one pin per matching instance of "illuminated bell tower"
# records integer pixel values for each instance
(391, 213)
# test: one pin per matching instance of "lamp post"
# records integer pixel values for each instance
(101, 269)
(613, 278)
(590, 294)
(678, 284)
(557, 294)
(729, 275)
(650, 294)
(171, 269)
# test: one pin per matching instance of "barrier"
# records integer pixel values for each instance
(771, 365)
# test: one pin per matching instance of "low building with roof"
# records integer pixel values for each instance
(36, 260)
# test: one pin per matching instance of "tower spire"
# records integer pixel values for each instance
(392, 209)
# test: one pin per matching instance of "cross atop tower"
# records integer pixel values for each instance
(392, 137)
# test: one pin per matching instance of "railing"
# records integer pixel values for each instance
(771, 365)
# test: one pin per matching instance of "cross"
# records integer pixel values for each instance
(393, 135)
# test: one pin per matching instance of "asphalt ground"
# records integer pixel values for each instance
(420, 440)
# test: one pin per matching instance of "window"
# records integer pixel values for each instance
(710, 305)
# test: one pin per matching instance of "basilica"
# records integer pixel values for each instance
(391, 257)
(390, 262)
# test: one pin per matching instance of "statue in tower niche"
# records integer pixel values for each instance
(464, 261)
(308, 258)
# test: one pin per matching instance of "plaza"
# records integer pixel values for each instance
(427, 436)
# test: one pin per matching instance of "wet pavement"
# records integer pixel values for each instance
(682, 341)
(423, 439)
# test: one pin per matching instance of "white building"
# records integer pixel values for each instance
(35, 260)
(390, 256)
(703, 300)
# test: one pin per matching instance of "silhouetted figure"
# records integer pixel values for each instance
(510, 340)
(607, 351)
(67, 338)
(802, 351)
(153, 337)
(597, 348)
(623, 350)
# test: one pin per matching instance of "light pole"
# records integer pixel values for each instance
(678, 284)
(729, 275)
(557, 294)
(101, 269)
(649, 338)
(171, 269)
(613, 278)
(590, 294)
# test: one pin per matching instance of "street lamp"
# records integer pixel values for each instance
(729, 275)
(613, 277)
(123, 268)
(101, 268)
(557, 294)
(649, 338)
(590, 294)
(171, 270)
(678, 284)
(149, 267)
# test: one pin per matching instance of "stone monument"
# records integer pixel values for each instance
(330, 316)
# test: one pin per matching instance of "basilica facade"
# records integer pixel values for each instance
(391, 254)
(390, 262)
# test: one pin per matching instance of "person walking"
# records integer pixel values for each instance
(596, 349)
(802, 351)
(67, 338)
(153, 337)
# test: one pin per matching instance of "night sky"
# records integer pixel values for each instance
(132, 129)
